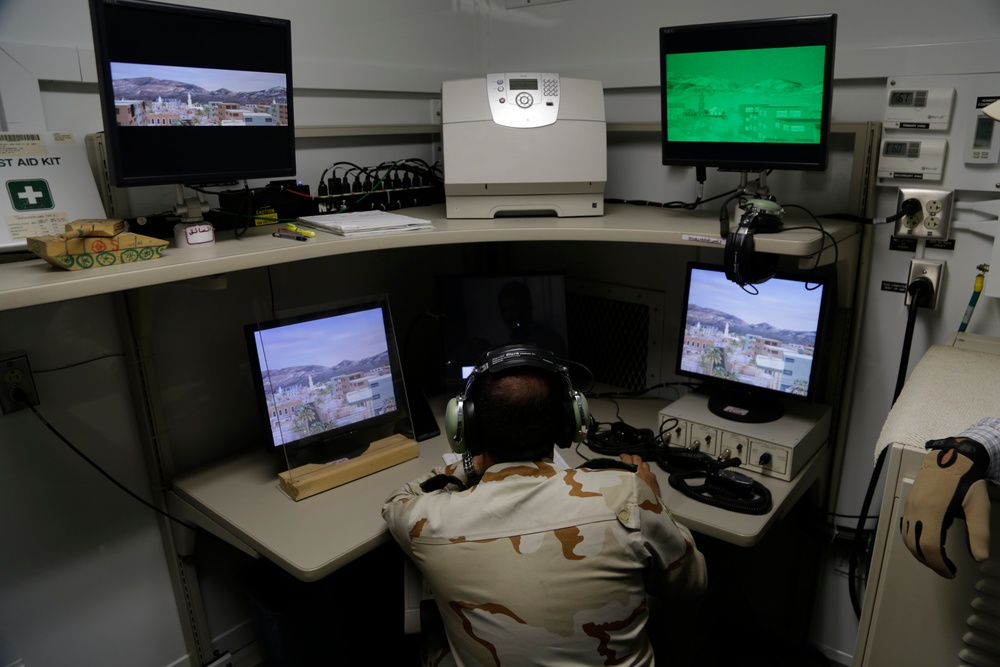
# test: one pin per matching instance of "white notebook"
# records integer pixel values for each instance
(364, 223)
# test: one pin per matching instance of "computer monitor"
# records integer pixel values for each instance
(328, 382)
(193, 96)
(748, 95)
(482, 312)
(753, 349)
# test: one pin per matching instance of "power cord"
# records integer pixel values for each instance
(919, 291)
(907, 207)
(725, 488)
(18, 395)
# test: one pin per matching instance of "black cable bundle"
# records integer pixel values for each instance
(724, 488)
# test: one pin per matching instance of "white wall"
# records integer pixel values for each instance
(74, 545)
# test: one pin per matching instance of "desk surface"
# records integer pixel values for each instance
(32, 282)
(239, 500)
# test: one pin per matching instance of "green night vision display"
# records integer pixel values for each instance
(748, 95)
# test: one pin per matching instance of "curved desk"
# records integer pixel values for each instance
(34, 282)
(239, 501)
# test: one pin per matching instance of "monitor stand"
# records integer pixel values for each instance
(193, 230)
(340, 449)
(745, 408)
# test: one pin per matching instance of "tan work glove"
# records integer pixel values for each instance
(950, 484)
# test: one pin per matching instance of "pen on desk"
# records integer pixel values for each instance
(293, 236)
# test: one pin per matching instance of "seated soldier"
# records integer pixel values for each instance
(530, 564)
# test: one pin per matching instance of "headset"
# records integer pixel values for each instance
(743, 264)
(460, 414)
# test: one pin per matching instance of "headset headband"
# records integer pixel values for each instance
(512, 356)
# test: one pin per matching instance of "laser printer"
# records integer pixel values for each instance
(522, 144)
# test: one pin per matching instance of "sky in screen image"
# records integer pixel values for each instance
(782, 304)
(210, 79)
(320, 342)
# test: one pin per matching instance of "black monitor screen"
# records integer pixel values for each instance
(748, 95)
(324, 378)
(487, 311)
(753, 347)
(193, 96)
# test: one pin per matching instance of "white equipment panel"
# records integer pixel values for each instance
(943, 116)
(919, 108)
(912, 159)
(777, 449)
(524, 100)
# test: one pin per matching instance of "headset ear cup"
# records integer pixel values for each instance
(731, 258)
(744, 265)
(452, 428)
(577, 419)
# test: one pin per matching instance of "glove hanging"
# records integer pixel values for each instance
(950, 485)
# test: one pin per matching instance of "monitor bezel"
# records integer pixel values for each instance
(714, 385)
(342, 442)
(819, 29)
(194, 155)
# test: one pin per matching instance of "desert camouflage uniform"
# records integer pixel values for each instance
(540, 566)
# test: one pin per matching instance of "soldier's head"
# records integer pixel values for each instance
(519, 413)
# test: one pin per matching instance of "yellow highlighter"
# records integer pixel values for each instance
(305, 232)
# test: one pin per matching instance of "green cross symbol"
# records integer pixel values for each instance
(30, 195)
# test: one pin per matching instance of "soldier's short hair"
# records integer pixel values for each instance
(518, 413)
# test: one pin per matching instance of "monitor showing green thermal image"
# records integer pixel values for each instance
(751, 95)
(748, 95)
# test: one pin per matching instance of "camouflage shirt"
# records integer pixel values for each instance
(536, 565)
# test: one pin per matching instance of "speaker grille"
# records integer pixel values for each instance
(615, 331)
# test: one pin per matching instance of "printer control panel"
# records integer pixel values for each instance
(524, 99)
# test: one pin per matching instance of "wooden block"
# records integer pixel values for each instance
(313, 478)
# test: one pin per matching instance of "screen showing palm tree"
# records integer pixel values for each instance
(765, 340)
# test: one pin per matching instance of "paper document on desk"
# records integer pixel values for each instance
(365, 223)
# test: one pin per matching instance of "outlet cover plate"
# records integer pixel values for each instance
(933, 220)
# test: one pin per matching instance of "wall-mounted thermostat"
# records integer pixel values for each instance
(912, 159)
(918, 108)
(982, 145)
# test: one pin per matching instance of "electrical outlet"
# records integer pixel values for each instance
(933, 220)
(931, 269)
(15, 373)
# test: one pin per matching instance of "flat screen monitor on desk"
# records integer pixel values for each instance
(752, 349)
(193, 96)
(482, 312)
(328, 382)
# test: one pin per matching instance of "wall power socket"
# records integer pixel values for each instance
(933, 220)
(15, 373)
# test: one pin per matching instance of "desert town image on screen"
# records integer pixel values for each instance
(165, 96)
(764, 340)
(325, 374)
